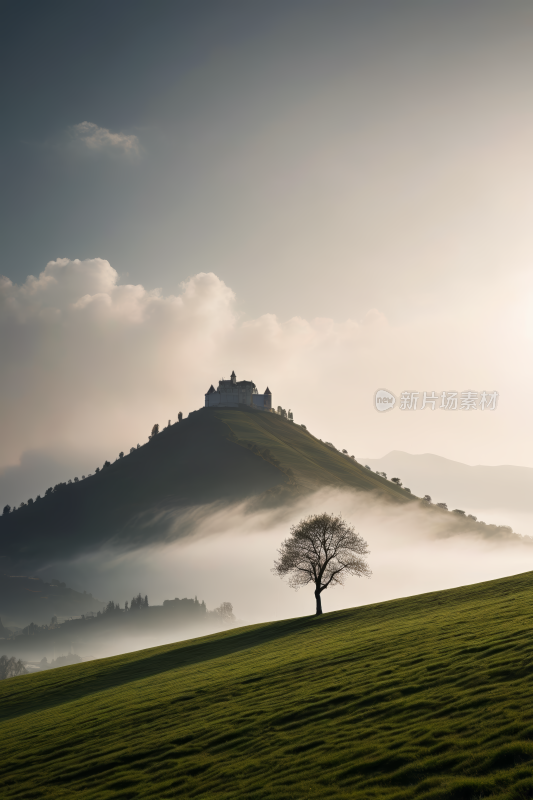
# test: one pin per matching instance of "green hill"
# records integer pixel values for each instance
(214, 456)
(428, 697)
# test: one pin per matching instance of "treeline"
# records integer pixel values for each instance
(113, 613)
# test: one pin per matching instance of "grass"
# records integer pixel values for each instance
(313, 463)
(427, 697)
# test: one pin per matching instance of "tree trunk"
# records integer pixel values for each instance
(318, 602)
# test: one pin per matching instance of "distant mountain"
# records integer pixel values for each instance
(460, 485)
(24, 600)
(214, 456)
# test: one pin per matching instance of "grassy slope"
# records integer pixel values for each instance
(314, 464)
(425, 697)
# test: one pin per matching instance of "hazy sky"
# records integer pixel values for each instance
(329, 198)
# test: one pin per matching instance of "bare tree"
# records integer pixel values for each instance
(322, 549)
(225, 610)
(10, 667)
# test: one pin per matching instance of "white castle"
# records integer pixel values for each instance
(233, 393)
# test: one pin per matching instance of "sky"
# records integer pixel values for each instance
(328, 198)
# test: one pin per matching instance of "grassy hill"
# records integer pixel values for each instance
(428, 697)
(213, 456)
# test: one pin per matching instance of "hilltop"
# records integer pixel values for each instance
(214, 456)
(427, 697)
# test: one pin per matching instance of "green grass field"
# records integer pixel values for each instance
(424, 697)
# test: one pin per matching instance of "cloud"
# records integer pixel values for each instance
(99, 139)
(89, 364)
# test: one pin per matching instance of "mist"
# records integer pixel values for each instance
(229, 553)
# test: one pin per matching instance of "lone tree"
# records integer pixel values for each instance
(322, 549)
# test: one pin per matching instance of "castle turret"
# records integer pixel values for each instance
(233, 377)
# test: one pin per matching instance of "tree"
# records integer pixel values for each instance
(7, 509)
(139, 602)
(442, 505)
(225, 610)
(10, 667)
(155, 431)
(427, 498)
(121, 454)
(180, 416)
(397, 481)
(322, 549)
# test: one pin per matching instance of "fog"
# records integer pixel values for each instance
(501, 495)
(229, 554)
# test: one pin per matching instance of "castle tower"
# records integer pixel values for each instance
(267, 402)
(233, 377)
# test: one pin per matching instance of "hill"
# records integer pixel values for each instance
(504, 490)
(426, 697)
(24, 600)
(214, 456)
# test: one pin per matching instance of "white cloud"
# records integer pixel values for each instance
(89, 364)
(99, 139)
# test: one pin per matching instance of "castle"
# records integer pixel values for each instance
(233, 393)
